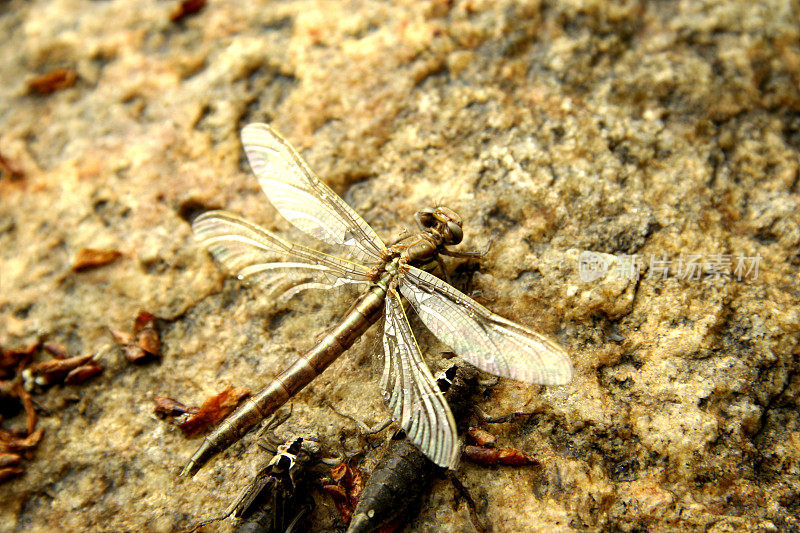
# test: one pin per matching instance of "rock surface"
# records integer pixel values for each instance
(643, 132)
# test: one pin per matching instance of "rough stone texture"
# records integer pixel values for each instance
(659, 128)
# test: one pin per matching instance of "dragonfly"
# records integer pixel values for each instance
(388, 276)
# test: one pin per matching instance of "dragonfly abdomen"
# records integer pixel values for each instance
(308, 366)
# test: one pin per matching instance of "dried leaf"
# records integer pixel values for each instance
(11, 359)
(136, 355)
(10, 169)
(148, 341)
(30, 412)
(336, 492)
(89, 258)
(169, 408)
(53, 81)
(186, 8)
(56, 350)
(10, 472)
(146, 334)
(57, 369)
(499, 456)
(83, 373)
(340, 472)
(121, 337)
(9, 459)
(14, 444)
(350, 482)
(214, 409)
(481, 437)
(342, 502)
(144, 344)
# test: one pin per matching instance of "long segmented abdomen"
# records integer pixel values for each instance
(361, 316)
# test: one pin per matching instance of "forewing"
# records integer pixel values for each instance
(483, 338)
(410, 390)
(250, 252)
(302, 199)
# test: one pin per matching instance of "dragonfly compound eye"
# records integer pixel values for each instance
(425, 217)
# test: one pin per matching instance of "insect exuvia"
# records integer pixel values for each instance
(403, 474)
(486, 340)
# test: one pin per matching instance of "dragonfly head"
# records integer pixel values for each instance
(443, 221)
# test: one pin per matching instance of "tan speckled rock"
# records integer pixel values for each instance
(654, 130)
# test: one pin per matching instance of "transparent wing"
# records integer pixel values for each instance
(250, 252)
(483, 338)
(302, 199)
(411, 392)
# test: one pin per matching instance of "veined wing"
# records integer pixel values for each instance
(302, 199)
(250, 252)
(483, 338)
(411, 393)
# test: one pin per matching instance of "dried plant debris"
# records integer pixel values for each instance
(210, 413)
(18, 378)
(481, 437)
(484, 453)
(173, 410)
(499, 456)
(345, 489)
(10, 169)
(89, 258)
(10, 472)
(55, 371)
(186, 8)
(52, 81)
(145, 343)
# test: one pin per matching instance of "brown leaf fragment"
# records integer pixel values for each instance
(356, 485)
(481, 437)
(52, 81)
(148, 341)
(340, 472)
(89, 258)
(169, 408)
(9, 459)
(83, 373)
(10, 472)
(11, 359)
(349, 483)
(342, 501)
(514, 457)
(144, 344)
(10, 169)
(56, 350)
(336, 492)
(186, 8)
(214, 409)
(121, 337)
(136, 355)
(30, 413)
(8, 388)
(499, 456)
(146, 334)
(13, 444)
(55, 370)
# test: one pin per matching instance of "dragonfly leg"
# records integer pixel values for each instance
(362, 427)
(468, 253)
(462, 492)
(497, 419)
(445, 273)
